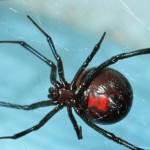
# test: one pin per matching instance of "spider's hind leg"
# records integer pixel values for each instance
(77, 128)
(87, 61)
(105, 133)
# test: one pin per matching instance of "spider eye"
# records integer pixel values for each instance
(53, 93)
(108, 98)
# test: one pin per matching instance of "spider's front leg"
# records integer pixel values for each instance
(29, 107)
(52, 47)
(35, 127)
(40, 56)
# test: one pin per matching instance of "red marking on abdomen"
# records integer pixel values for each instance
(101, 103)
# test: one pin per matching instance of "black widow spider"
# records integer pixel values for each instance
(98, 95)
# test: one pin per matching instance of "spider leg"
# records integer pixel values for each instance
(77, 128)
(87, 80)
(35, 127)
(29, 107)
(105, 133)
(57, 57)
(40, 56)
(88, 60)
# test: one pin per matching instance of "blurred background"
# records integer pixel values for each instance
(75, 27)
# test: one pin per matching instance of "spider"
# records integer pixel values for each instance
(97, 95)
